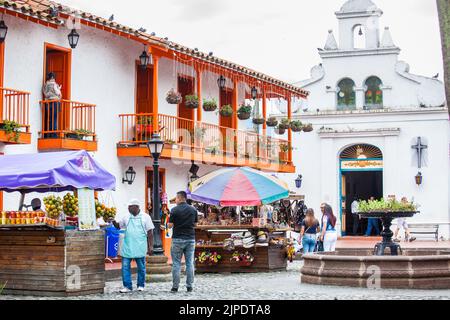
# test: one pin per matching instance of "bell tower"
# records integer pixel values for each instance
(359, 25)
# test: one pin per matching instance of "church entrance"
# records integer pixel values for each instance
(361, 172)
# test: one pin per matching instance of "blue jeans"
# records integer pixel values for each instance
(51, 118)
(308, 242)
(126, 272)
(180, 247)
(372, 223)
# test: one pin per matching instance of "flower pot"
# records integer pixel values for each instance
(258, 121)
(272, 123)
(284, 126)
(244, 115)
(282, 156)
(296, 128)
(173, 97)
(307, 128)
(192, 104)
(209, 107)
(146, 129)
(280, 131)
(226, 113)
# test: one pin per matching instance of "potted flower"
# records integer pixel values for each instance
(173, 97)
(284, 124)
(209, 105)
(244, 112)
(307, 127)
(212, 150)
(207, 257)
(296, 125)
(226, 110)
(12, 129)
(244, 259)
(144, 126)
(191, 101)
(258, 120)
(272, 122)
(284, 148)
(171, 144)
(279, 130)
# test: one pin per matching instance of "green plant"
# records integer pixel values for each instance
(208, 257)
(272, 122)
(81, 133)
(296, 125)
(191, 101)
(284, 123)
(245, 108)
(258, 120)
(2, 287)
(12, 129)
(209, 105)
(173, 97)
(226, 110)
(212, 149)
(382, 205)
(145, 120)
(169, 141)
(307, 127)
(284, 147)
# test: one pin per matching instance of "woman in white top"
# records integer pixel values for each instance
(328, 223)
(52, 94)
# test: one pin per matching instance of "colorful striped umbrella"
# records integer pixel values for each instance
(240, 186)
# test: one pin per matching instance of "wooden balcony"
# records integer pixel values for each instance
(14, 116)
(207, 143)
(67, 125)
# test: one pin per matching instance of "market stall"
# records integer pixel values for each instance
(236, 233)
(39, 254)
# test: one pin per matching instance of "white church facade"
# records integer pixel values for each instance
(371, 117)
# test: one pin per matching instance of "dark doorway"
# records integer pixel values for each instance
(360, 185)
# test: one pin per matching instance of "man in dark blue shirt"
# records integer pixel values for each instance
(183, 219)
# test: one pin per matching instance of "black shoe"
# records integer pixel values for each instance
(174, 290)
(189, 289)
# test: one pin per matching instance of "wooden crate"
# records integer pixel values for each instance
(47, 262)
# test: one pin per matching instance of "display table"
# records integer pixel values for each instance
(268, 257)
(45, 261)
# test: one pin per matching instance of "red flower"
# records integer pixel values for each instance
(369, 93)
(378, 92)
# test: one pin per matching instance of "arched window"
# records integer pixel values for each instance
(359, 37)
(346, 98)
(373, 94)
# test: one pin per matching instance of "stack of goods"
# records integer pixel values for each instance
(262, 238)
(53, 207)
(278, 242)
(102, 211)
(245, 239)
(21, 217)
(70, 207)
(207, 257)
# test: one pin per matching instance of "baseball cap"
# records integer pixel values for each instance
(134, 202)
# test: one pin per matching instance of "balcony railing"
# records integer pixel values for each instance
(14, 108)
(202, 137)
(67, 119)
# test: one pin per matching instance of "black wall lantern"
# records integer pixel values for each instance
(254, 93)
(3, 31)
(298, 181)
(418, 178)
(130, 175)
(221, 82)
(194, 169)
(145, 59)
(73, 38)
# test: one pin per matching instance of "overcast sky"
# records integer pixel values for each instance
(279, 38)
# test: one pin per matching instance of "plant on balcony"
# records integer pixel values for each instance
(209, 105)
(79, 134)
(296, 125)
(258, 120)
(244, 112)
(144, 120)
(198, 134)
(212, 149)
(173, 97)
(307, 127)
(171, 144)
(226, 110)
(284, 147)
(279, 130)
(284, 123)
(12, 129)
(191, 101)
(272, 122)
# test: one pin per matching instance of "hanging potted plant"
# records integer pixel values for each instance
(258, 120)
(191, 101)
(307, 127)
(226, 110)
(279, 130)
(272, 122)
(244, 112)
(284, 124)
(173, 97)
(296, 125)
(209, 105)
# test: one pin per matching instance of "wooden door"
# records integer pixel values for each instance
(226, 97)
(57, 62)
(144, 90)
(185, 127)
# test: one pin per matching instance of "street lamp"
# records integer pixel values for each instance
(130, 175)
(254, 92)
(73, 38)
(221, 82)
(156, 146)
(194, 169)
(145, 59)
(298, 181)
(3, 31)
(418, 178)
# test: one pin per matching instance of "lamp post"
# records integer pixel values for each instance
(130, 175)
(155, 146)
(145, 59)
(73, 37)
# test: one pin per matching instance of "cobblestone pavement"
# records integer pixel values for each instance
(272, 286)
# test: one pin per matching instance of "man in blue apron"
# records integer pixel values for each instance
(137, 243)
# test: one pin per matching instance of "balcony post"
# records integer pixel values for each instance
(264, 109)
(155, 93)
(289, 111)
(198, 73)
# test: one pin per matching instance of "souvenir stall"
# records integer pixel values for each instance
(236, 233)
(39, 255)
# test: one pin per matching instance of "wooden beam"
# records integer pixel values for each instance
(198, 73)
(289, 111)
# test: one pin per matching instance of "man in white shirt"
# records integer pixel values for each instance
(354, 209)
(138, 242)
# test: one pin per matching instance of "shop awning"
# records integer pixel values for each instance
(53, 171)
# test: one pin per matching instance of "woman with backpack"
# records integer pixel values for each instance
(328, 226)
(309, 229)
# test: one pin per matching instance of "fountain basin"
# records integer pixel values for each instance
(415, 269)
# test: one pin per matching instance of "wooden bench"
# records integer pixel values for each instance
(424, 228)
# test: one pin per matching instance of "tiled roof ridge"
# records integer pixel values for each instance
(41, 9)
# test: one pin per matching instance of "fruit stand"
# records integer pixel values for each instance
(39, 254)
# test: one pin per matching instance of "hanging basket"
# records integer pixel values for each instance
(244, 115)
(296, 126)
(191, 104)
(272, 122)
(284, 125)
(226, 110)
(258, 121)
(173, 97)
(308, 128)
(209, 106)
(279, 130)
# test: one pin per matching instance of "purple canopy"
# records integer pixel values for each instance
(53, 171)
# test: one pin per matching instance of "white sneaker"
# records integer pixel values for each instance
(140, 289)
(125, 290)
